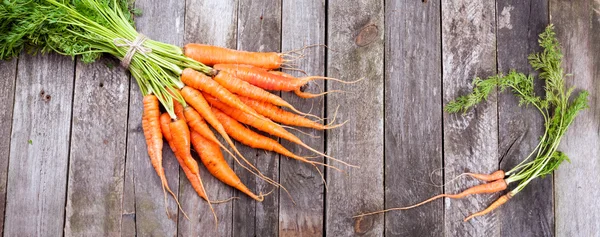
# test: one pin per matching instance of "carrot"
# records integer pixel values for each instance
(263, 125)
(196, 100)
(252, 139)
(154, 142)
(180, 133)
(165, 121)
(206, 84)
(246, 89)
(213, 160)
(299, 92)
(178, 136)
(211, 55)
(281, 116)
(501, 200)
(496, 175)
(492, 187)
(266, 80)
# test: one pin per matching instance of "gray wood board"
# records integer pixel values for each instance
(413, 117)
(97, 152)
(215, 23)
(355, 33)
(303, 25)
(37, 172)
(576, 195)
(530, 213)
(259, 29)
(470, 139)
(202, 27)
(8, 76)
(144, 199)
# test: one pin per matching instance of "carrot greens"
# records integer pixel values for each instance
(558, 108)
(88, 29)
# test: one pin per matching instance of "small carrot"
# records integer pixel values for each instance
(266, 80)
(196, 100)
(213, 160)
(281, 116)
(206, 84)
(496, 175)
(501, 200)
(178, 136)
(496, 186)
(154, 142)
(263, 125)
(211, 55)
(246, 89)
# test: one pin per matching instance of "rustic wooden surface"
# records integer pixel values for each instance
(86, 170)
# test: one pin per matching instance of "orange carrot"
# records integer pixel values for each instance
(180, 144)
(492, 187)
(263, 125)
(178, 109)
(252, 139)
(281, 116)
(501, 200)
(206, 84)
(165, 121)
(213, 160)
(153, 135)
(266, 80)
(246, 89)
(211, 55)
(181, 139)
(194, 98)
(496, 175)
(299, 92)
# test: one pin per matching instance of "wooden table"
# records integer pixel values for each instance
(73, 159)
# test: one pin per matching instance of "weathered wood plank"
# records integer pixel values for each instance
(215, 23)
(577, 207)
(8, 73)
(355, 32)
(471, 139)
(148, 206)
(259, 29)
(303, 24)
(413, 117)
(37, 172)
(530, 213)
(97, 151)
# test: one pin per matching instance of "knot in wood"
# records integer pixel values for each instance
(367, 35)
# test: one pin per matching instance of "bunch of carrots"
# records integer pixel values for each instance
(201, 88)
(558, 108)
(233, 96)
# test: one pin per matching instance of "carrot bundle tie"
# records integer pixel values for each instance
(135, 46)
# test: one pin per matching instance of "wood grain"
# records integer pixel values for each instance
(37, 172)
(201, 26)
(519, 23)
(355, 33)
(97, 152)
(303, 24)
(413, 117)
(148, 207)
(259, 29)
(576, 194)
(470, 139)
(8, 73)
